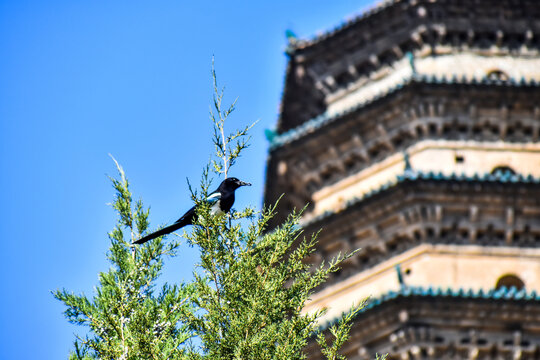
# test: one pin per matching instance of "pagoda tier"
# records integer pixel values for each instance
(325, 150)
(412, 133)
(367, 47)
(434, 323)
(486, 210)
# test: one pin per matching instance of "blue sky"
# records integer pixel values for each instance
(82, 79)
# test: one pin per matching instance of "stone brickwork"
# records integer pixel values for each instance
(448, 266)
(357, 51)
(439, 156)
(430, 208)
(425, 109)
(412, 131)
(431, 323)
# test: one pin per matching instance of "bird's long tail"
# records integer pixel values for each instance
(166, 230)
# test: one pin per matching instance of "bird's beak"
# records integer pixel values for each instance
(244, 184)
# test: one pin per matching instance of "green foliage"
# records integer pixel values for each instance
(340, 334)
(245, 302)
(127, 318)
(252, 286)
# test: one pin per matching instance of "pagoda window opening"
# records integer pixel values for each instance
(349, 163)
(454, 128)
(419, 131)
(523, 237)
(387, 58)
(510, 342)
(481, 341)
(432, 128)
(326, 174)
(364, 260)
(480, 234)
(463, 128)
(497, 75)
(364, 68)
(352, 162)
(463, 36)
(376, 151)
(343, 79)
(494, 129)
(393, 244)
(447, 129)
(526, 234)
(482, 41)
(508, 281)
(398, 141)
(410, 46)
(502, 170)
(424, 213)
(489, 233)
(444, 234)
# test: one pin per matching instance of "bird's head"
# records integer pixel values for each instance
(233, 183)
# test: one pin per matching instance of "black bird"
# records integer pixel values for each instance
(221, 200)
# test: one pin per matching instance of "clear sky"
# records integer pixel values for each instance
(81, 79)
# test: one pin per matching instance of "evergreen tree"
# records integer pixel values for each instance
(248, 292)
(127, 318)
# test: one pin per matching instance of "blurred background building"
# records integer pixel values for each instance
(412, 131)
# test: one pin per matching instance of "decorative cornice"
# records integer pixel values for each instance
(501, 294)
(320, 121)
(361, 16)
(415, 175)
(370, 11)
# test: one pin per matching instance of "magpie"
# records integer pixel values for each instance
(221, 200)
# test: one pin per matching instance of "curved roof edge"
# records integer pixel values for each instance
(279, 140)
(413, 175)
(362, 14)
(502, 293)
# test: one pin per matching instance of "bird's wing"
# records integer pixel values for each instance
(213, 197)
(186, 219)
(214, 200)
